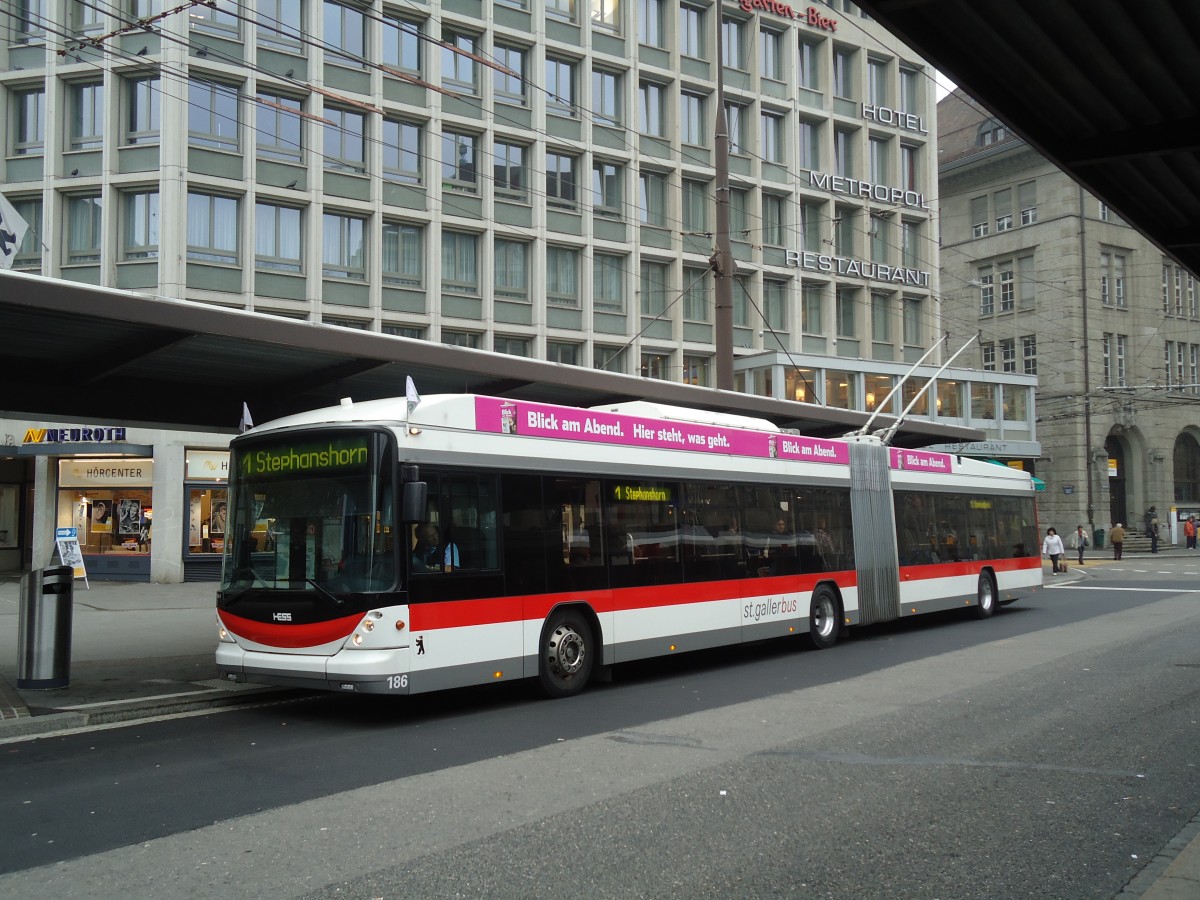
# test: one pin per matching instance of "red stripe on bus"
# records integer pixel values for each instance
(278, 634)
(461, 613)
(971, 567)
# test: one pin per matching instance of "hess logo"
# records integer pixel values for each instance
(281, 617)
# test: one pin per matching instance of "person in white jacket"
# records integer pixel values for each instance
(1052, 547)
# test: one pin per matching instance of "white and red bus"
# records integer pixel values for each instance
(379, 548)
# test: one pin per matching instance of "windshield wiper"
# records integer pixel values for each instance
(338, 602)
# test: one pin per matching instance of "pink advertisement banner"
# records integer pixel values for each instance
(568, 423)
(922, 461)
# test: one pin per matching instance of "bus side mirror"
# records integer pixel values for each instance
(413, 500)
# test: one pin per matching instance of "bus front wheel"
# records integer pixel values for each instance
(986, 596)
(568, 654)
(824, 618)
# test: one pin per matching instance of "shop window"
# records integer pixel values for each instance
(207, 509)
(10, 495)
(109, 520)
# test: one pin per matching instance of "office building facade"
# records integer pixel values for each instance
(530, 177)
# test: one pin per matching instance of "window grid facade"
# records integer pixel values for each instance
(275, 180)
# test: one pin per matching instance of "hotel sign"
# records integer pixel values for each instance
(811, 17)
(886, 116)
(857, 268)
(880, 193)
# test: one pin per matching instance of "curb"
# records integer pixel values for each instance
(12, 706)
(1173, 873)
(25, 723)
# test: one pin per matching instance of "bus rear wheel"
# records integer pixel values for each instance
(568, 654)
(986, 596)
(824, 618)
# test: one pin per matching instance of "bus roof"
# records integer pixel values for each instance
(639, 425)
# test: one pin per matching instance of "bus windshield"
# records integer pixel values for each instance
(311, 512)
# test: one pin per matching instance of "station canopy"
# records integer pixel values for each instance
(76, 352)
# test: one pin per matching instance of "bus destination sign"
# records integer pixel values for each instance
(280, 460)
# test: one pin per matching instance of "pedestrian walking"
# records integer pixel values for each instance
(1079, 541)
(1189, 532)
(1117, 538)
(1052, 547)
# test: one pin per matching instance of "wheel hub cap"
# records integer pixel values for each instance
(566, 651)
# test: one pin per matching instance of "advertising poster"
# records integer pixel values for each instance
(129, 516)
(194, 516)
(216, 521)
(67, 542)
(101, 514)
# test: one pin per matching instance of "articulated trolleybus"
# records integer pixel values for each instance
(387, 547)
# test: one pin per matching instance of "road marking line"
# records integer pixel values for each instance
(184, 695)
(1084, 587)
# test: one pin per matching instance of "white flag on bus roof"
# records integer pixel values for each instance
(12, 232)
(247, 423)
(410, 391)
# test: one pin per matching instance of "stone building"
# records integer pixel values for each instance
(1056, 285)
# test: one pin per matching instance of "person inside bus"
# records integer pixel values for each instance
(429, 555)
(779, 555)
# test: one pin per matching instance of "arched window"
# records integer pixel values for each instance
(1187, 469)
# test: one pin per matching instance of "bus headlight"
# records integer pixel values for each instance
(222, 635)
(368, 624)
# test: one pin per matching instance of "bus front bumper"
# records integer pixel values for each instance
(348, 671)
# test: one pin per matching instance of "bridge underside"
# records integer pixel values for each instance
(1106, 89)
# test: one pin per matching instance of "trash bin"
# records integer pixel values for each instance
(44, 629)
(1098, 538)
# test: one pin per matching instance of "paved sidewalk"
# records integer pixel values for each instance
(145, 650)
(137, 650)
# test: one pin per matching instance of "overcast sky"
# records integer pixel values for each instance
(944, 85)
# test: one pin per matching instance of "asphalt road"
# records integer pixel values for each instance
(1051, 750)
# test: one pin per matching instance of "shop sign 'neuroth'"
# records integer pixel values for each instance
(79, 435)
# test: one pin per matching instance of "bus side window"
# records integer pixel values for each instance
(523, 524)
(576, 542)
(644, 531)
(471, 520)
(712, 532)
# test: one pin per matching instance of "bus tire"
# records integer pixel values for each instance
(568, 654)
(985, 596)
(824, 617)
